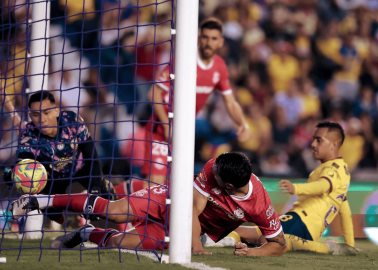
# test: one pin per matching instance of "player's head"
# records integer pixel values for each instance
(43, 112)
(327, 139)
(232, 170)
(210, 38)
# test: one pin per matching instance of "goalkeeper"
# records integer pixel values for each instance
(61, 142)
(320, 200)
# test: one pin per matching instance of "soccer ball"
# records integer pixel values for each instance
(29, 176)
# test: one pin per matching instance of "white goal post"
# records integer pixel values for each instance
(180, 224)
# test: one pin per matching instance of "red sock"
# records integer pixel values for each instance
(101, 236)
(78, 202)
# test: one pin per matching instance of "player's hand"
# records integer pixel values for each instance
(201, 251)
(287, 186)
(241, 249)
(243, 133)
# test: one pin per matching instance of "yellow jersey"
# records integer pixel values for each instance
(317, 205)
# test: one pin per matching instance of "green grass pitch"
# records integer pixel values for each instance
(222, 257)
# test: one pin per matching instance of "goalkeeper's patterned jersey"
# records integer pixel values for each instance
(224, 213)
(318, 211)
(60, 155)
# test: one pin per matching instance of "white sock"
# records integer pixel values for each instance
(44, 201)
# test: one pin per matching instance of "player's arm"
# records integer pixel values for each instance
(156, 96)
(314, 188)
(90, 175)
(9, 107)
(199, 204)
(274, 246)
(347, 223)
(236, 114)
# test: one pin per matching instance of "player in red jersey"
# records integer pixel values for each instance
(226, 194)
(212, 75)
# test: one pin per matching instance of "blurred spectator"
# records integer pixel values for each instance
(353, 147)
(275, 163)
(310, 98)
(365, 103)
(291, 103)
(283, 68)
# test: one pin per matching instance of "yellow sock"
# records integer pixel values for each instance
(295, 243)
(235, 236)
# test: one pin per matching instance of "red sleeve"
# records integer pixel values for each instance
(224, 83)
(267, 220)
(203, 182)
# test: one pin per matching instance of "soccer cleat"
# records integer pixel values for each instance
(23, 205)
(229, 241)
(70, 240)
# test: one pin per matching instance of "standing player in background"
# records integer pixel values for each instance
(61, 142)
(320, 200)
(226, 194)
(212, 75)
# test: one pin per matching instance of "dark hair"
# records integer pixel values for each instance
(334, 127)
(234, 168)
(212, 23)
(39, 96)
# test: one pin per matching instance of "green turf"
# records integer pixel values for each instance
(222, 257)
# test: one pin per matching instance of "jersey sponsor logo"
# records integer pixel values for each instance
(159, 189)
(236, 215)
(140, 193)
(216, 77)
(159, 149)
(239, 213)
(216, 191)
(202, 179)
(269, 212)
(204, 89)
(274, 224)
(61, 163)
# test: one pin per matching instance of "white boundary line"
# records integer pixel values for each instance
(164, 259)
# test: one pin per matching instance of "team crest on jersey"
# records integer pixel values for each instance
(269, 212)
(239, 213)
(216, 77)
(331, 174)
(216, 191)
(60, 146)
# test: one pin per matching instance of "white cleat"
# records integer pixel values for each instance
(23, 205)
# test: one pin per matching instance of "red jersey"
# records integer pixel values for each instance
(224, 213)
(213, 76)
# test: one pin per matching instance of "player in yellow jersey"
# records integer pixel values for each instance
(320, 200)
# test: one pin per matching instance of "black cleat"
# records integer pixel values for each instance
(70, 240)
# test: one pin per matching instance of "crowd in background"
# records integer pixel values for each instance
(291, 64)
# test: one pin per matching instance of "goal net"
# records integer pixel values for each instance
(100, 60)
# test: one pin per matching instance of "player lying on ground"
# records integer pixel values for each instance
(320, 200)
(226, 194)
